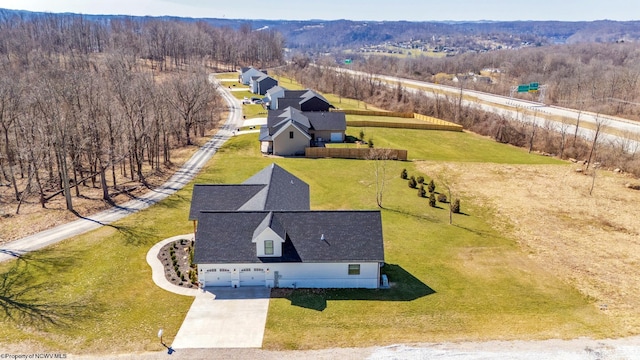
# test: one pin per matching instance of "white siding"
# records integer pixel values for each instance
(302, 275)
(268, 234)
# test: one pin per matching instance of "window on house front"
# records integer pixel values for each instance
(268, 247)
(290, 134)
(354, 269)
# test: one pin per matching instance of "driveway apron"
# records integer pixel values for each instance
(225, 318)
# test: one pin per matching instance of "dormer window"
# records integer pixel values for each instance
(268, 247)
(269, 237)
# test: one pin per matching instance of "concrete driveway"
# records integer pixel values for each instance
(257, 122)
(225, 318)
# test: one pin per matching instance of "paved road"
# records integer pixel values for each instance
(616, 130)
(185, 174)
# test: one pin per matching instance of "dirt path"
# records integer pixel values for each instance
(591, 241)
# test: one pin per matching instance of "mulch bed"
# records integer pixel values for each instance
(176, 255)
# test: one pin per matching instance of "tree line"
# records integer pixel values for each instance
(104, 103)
(597, 77)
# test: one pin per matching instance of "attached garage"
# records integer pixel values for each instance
(337, 137)
(252, 277)
(217, 277)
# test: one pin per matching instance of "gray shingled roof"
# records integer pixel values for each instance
(327, 120)
(272, 188)
(316, 120)
(350, 236)
(221, 197)
(284, 191)
(285, 102)
(264, 134)
(272, 223)
(310, 94)
(275, 89)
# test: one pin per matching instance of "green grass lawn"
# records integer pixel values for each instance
(97, 288)
(465, 281)
(384, 119)
(460, 282)
(251, 111)
(448, 146)
(228, 75)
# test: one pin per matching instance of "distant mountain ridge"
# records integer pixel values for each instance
(319, 35)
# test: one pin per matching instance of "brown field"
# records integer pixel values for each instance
(590, 241)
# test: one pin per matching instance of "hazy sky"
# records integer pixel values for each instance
(412, 10)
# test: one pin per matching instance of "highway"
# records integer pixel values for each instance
(615, 130)
(186, 173)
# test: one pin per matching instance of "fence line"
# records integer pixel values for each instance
(355, 153)
(431, 123)
(425, 126)
(376, 113)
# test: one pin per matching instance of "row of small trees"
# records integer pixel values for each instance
(418, 183)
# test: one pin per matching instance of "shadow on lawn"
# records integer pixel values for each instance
(136, 236)
(404, 287)
(24, 295)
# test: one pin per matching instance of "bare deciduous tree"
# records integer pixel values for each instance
(379, 157)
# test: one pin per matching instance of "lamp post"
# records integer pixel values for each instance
(169, 348)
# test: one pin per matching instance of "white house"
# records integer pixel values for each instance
(258, 246)
(272, 96)
(247, 72)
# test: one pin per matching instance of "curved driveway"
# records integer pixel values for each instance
(186, 173)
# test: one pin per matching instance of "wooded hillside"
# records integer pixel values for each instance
(102, 103)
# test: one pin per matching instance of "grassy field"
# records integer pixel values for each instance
(460, 282)
(95, 291)
(448, 146)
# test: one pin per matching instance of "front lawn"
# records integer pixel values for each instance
(450, 282)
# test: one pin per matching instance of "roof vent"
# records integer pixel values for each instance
(322, 237)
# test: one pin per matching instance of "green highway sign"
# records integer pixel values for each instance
(531, 87)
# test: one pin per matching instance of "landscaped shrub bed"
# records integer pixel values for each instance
(177, 258)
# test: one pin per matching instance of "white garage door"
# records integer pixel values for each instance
(336, 137)
(252, 277)
(218, 277)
